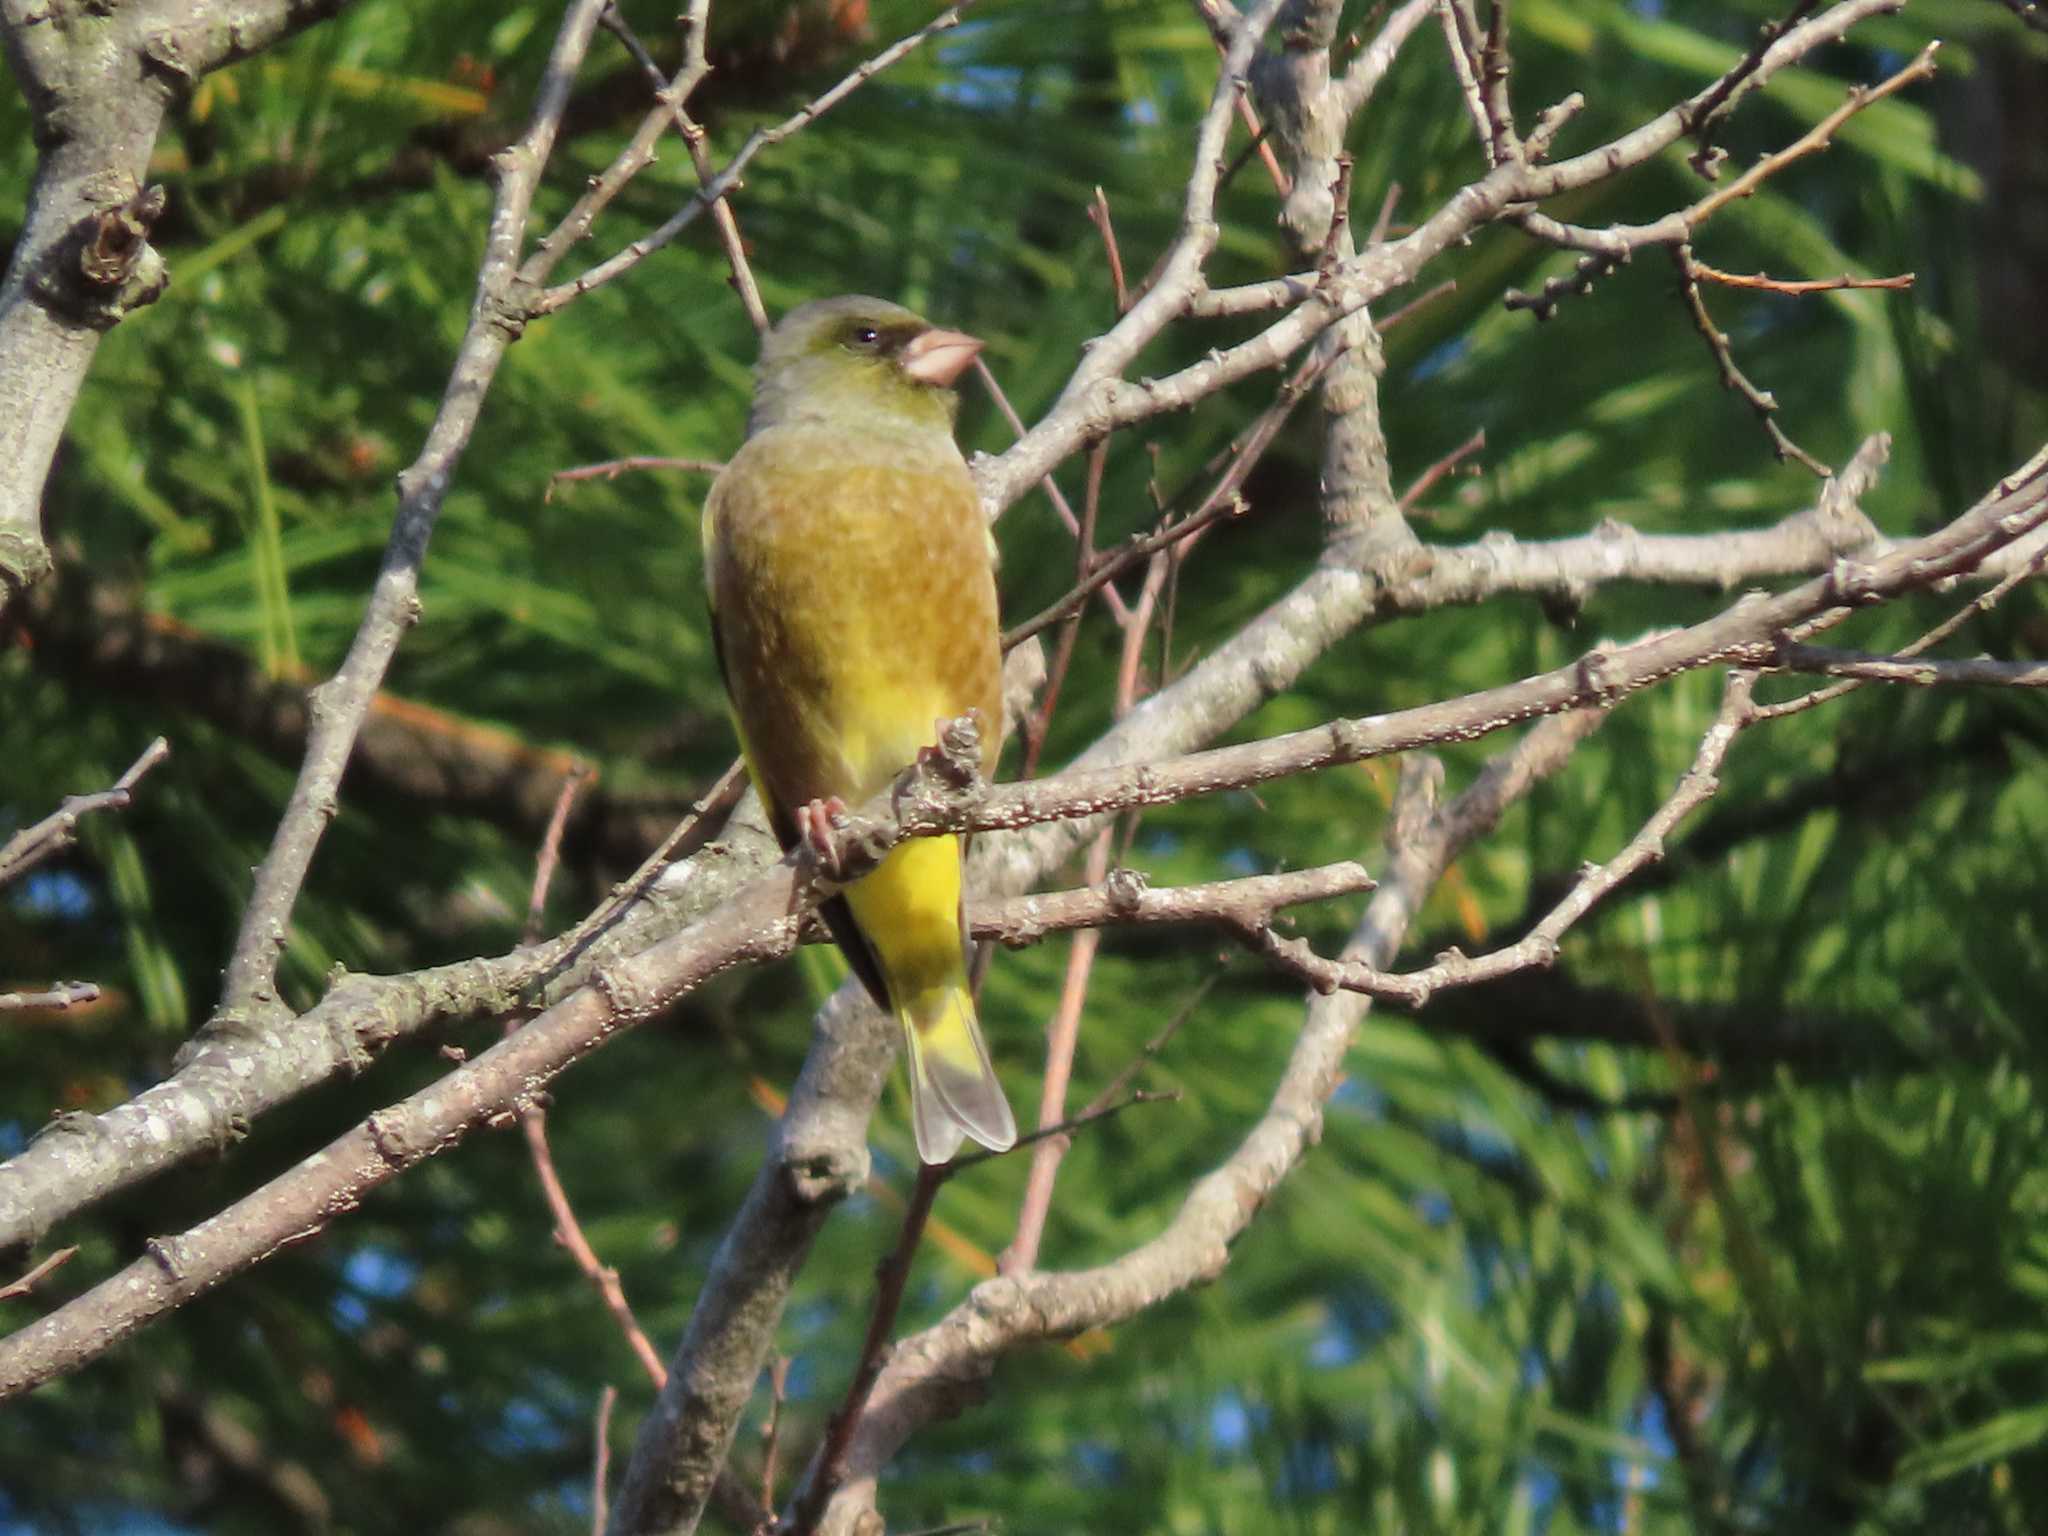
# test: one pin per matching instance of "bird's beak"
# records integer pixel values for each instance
(939, 357)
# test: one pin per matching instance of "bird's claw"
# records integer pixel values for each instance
(817, 823)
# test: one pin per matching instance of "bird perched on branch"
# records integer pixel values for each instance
(853, 609)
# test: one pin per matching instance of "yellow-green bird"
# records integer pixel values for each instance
(853, 607)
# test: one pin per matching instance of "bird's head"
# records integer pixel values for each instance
(862, 362)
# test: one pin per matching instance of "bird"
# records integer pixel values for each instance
(851, 580)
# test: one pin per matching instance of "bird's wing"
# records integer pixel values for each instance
(837, 916)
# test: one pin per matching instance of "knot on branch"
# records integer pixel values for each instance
(1124, 888)
(821, 1167)
(105, 268)
(164, 51)
(510, 305)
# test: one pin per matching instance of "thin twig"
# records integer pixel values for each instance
(601, 1460)
(1816, 138)
(1113, 1090)
(1428, 296)
(1063, 1032)
(1494, 69)
(1063, 1129)
(1221, 502)
(1759, 280)
(59, 830)
(828, 1467)
(611, 469)
(41, 1272)
(1539, 947)
(61, 994)
(722, 216)
(1443, 466)
(729, 179)
(1984, 602)
(1924, 671)
(771, 1431)
(1461, 39)
(1125, 899)
(1384, 219)
(533, 1124)
(1053, 493)
(551, 847)
(1098, 215)
(1717, 101)
(1762, 401)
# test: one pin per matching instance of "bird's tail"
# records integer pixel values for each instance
(953, 1088)
(908, 913)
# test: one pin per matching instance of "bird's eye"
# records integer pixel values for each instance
(867, 338)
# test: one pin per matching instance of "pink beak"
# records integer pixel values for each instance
(940, 357)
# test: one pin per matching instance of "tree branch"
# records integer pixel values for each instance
(939, 1372)
(249, 989)
(98, 80)
(840, 1084)
(1921, 671)
(59, 830)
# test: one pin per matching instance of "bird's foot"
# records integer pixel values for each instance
(955, 756)
(817, 824)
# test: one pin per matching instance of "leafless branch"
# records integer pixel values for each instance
(890, 1278)
(1984, 602)
(1762, 401)
(1921, 671)
(234, 1078)
(59, 830)
(249, 991)
(28, 1282)
(1476, 443)
(938, 1372)
(611, 469)
(62, 994)
(764, 920)
(672, 95)
(729, 179)
(1124, 898)
(1098, 399)
(1539, 947)
(601, 1459)
(1797, 286)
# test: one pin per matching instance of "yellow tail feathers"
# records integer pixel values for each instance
(953, 1088)
(908, 911)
